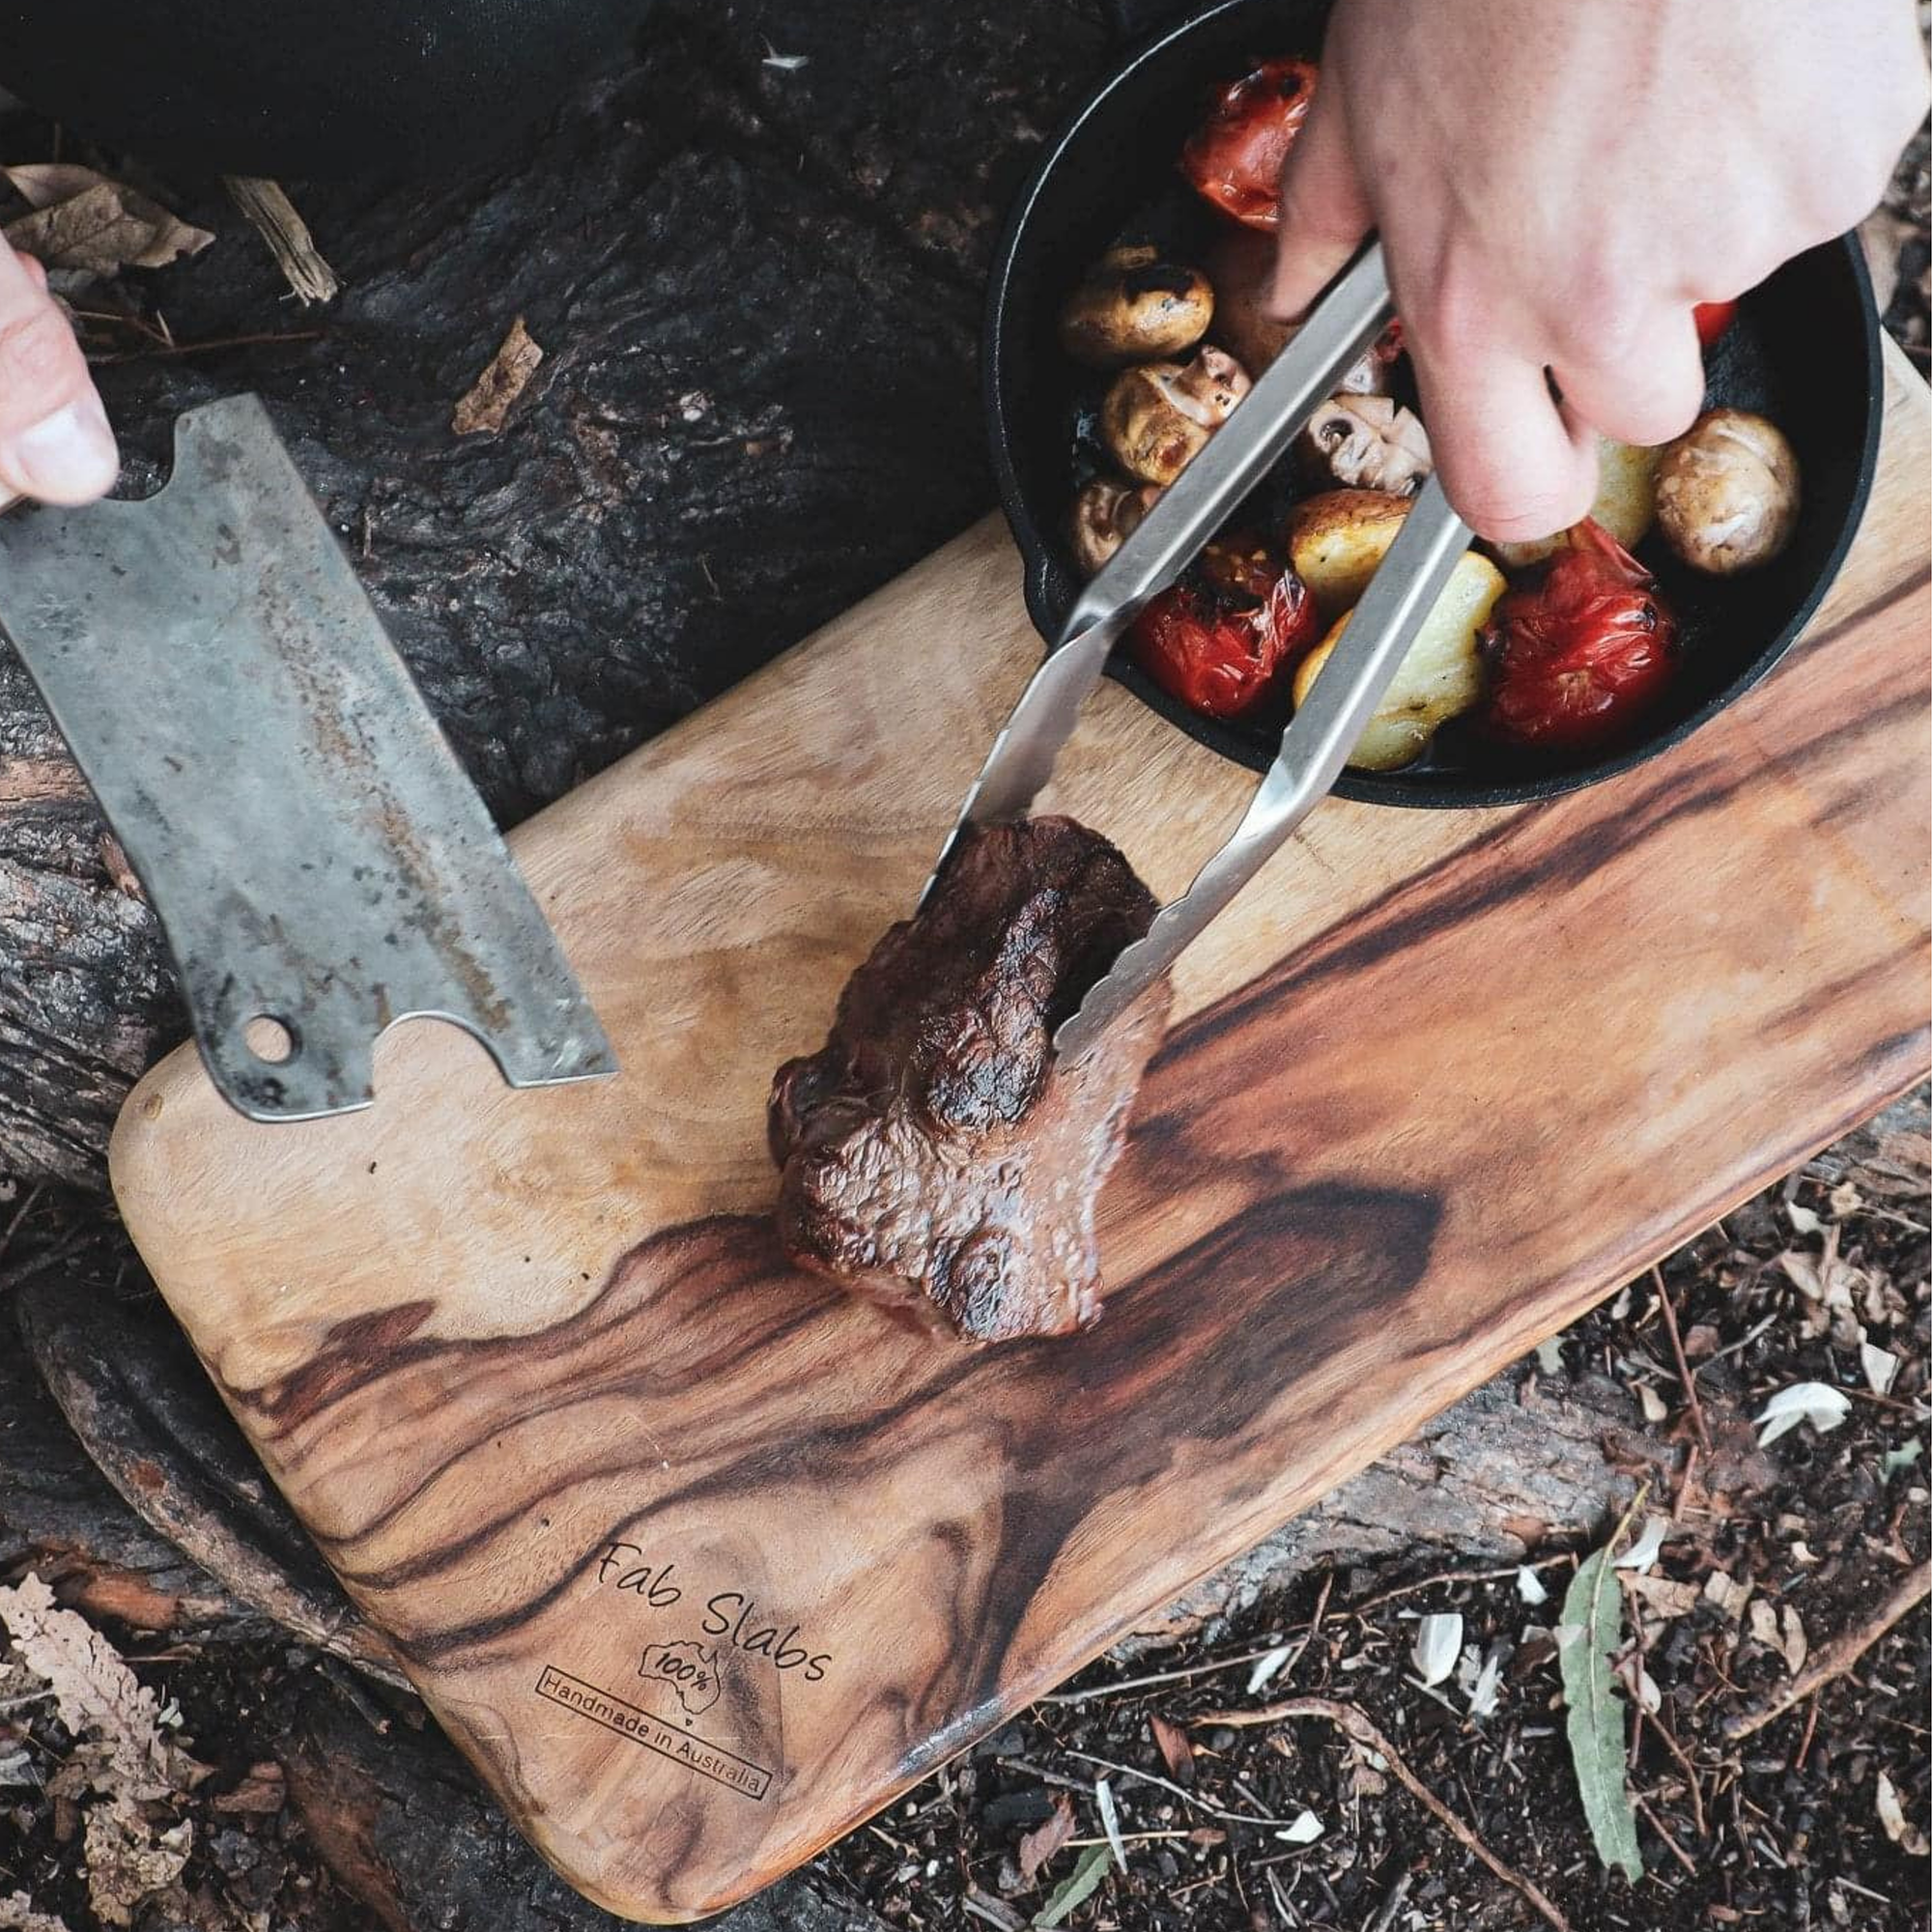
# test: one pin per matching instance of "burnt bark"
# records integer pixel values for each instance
(757, 291)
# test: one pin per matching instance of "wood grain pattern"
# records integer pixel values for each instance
(529, 1370)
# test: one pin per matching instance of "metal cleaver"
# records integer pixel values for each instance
(319, 862)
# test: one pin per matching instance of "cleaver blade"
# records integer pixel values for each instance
(316, 855)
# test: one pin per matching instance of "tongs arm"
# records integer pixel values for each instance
(1314, 749)
(1173, 534)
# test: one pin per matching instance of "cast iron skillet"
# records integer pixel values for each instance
(1804, 351)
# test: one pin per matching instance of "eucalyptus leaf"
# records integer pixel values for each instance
(1594, 1607)
(1075, 1888)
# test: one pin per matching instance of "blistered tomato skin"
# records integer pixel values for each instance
(1222, 657)
(1712, 319)
(1578, 656)
(1234, 157)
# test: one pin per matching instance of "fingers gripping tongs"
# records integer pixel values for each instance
(1344, 698)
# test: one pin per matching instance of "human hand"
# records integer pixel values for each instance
(1558, 183)
(55, 443)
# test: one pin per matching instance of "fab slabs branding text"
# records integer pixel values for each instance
(706, 1638)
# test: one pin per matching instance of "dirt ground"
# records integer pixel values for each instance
(1230, 1818)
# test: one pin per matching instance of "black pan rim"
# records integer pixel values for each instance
(1368, 789)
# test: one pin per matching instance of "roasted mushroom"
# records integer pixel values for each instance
(1157, 418)
(1366, 442)
(1135, 307)
(1105, 514)
(1728, 492)
(1240, 265)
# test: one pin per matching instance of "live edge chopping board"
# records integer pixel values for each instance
(699, 1562)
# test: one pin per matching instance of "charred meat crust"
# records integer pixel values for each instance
(935, 1156)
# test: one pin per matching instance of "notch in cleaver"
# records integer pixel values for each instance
(319, 862)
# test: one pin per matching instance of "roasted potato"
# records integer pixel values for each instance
(1336, 540)
(1626, 505)
(1728, 492)
(1440, 678)
(1133, 306)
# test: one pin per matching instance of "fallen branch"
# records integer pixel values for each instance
(1346, 1717)
(1836, 1658)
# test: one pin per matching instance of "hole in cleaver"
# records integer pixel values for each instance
(321, 864)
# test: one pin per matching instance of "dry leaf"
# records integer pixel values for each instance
(126, 1862)
(1664, 1597)
(1651, 1403)
(1796, 1645)
(483, 408)
(1643, 1552)
(1727, 1593)
(1438, 1643)
(96, 1693)
(1819, 1404)
(263, 1791)
(1174, 1747)
(1881, 1367)
(1043, 1840)
(119, 1752)
(1898, 1826)
(17, 1915)
(1110, 1820)
(83, 223)
(1266, 1664)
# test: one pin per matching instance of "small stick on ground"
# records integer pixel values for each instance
(1683, 1375)
(1676, 1850)
(1836, 1658)
(1450, 1576)
(1346, 1717)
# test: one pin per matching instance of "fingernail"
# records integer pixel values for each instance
(65, 458)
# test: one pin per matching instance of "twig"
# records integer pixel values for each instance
(1683, 1375)
(1676, 1750)
(1451, 1576)
(1804, 1742)
(1193, 1670)
(1392, 1904)
(209, 347)
(1676, 1850)
(1187, 1797)
(1346, 1717)
(1836, 1658)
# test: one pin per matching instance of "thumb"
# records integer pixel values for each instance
(54, 440)
(1324, 212)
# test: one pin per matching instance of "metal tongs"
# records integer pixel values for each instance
(1317, 742)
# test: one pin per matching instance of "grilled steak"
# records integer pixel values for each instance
(936, 1158)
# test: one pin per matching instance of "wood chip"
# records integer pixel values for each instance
(272, 216)
(1176, 1748)
(487, 403)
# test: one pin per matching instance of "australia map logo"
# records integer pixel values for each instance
(688, 1668)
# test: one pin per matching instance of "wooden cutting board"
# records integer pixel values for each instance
(699, 1562)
